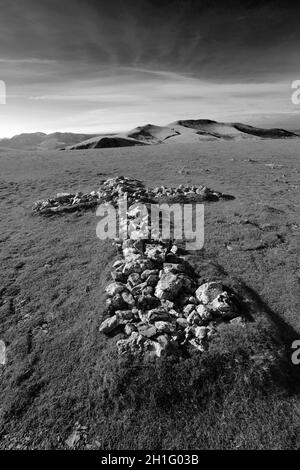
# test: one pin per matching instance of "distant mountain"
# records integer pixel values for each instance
(99, 142)
(184, 131)
(42, 141)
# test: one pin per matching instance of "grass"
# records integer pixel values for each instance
(242, 394)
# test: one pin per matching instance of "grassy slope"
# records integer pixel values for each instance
(60, 370)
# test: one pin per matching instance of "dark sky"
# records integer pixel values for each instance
(106, 65)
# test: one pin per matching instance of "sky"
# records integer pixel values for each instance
(97, 66)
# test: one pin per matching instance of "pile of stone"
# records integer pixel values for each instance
(200, 193)
(66, 202)
(154, 298)
(121, 187)
(115, 189)
(155, 301)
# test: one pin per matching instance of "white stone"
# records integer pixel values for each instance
(109, 325)
(115, 288)
(208, 292)
(201, 332)
(168, 286)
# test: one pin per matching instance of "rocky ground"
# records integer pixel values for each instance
(64, 384)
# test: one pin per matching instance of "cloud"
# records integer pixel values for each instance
(211, 40)
(119, 99)
(28, 61)
(117, 62)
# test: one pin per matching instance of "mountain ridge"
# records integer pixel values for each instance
(181, 131)
(43, 141)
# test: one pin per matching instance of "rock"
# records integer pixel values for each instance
(156, 348)
(125, 346)
(168, 304)
(115, 288)
(189, 332)
(148, 290)
(137, 266)
(138, 289)
(134, 279)
(163, 340)
(119, 263)
(156, 253)
(218, 299)
(146, 330)
(152, 349)
(238, 321)
(187, 283)
(124, 316)
(115, 303)
(182, 322)
(136, 344)
(173, 268)
(188, 309)
(184, 300)
(198, 345)
(128, 298)
(157, 314)
(109, 325)
(131, 254)
(118, 276)
(149, 272)
(164, 327)
(128, 244)
(161, 346)
(206, 293)
(204, 313)
(143, 316)
(211, 331)
(152, 280)
(135, 312)
(146, 302)
(201, 332)
(174, 249)
(139, 245)
(129, 328)
(224, 304)
(174, 313)
(192, 317)
(63, 198)
(168, 286)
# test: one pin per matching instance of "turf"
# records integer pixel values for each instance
(243, 394)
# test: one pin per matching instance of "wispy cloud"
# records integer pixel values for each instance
(117, 101)
(122, 63)
(28, 61)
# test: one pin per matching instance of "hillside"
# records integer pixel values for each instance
(183, 131)
(42, 141)
(63, 377)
